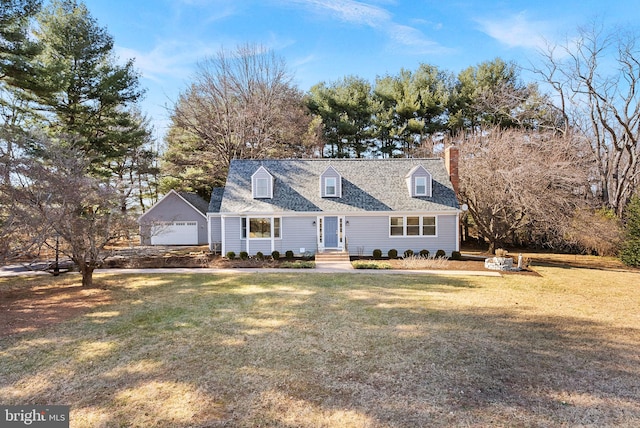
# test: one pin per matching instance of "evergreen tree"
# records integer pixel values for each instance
(346, 109)
(16, 49)
(84, 92)
(630, 253)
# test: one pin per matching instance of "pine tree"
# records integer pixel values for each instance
(630, 254)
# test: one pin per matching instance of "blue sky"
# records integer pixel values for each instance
(325, 40)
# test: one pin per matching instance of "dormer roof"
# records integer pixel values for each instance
(262, 184)
(419, 182)
(330, 183)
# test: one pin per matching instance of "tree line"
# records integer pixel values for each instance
(536, 168)
(76, 154)
(556, 168)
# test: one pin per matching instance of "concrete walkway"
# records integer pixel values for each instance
(324, 267)
(317, 270)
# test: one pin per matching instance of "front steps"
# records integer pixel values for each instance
(333, 260)
(332, 256)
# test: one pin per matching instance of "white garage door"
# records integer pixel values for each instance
(175, 233)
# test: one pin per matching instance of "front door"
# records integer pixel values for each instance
(331, 232)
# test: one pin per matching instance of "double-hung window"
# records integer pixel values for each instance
(262, 187)
(421, 186)
(397, 226)
(330, 186)
(412, 226)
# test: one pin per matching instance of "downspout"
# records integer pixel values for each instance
(223, 234)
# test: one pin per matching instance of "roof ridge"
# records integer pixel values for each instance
(339, 159)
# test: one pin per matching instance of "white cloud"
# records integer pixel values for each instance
(170, 59)
(349, 11)
(378, 18)
(414, 39)
(516, 30)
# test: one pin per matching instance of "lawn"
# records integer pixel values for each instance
(331, 350)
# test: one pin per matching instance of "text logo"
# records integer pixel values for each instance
(34, 416)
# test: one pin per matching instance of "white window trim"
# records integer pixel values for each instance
(404, 226)
(262, 174)
(334, 180)
(424, 184)
(248, 227)
(257, 191)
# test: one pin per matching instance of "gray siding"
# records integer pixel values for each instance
(365, 234)
(298, 232)
(295, 233)
(172, 208)
(261, 245)
(215, 239)
(232, 239)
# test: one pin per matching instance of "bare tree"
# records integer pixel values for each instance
(240, 105)
(56, 196)
(596, 77)
(513, 180)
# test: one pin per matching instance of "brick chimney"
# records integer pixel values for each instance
(451, 156)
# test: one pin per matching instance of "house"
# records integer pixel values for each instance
(179, 218)
(351, 205)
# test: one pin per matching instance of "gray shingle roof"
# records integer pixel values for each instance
(216, 199)
(368, 185)
(195, 200)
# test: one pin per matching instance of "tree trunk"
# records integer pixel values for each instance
(86, 269)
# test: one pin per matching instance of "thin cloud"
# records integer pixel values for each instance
(349, 11)
(378, 18)
(516, 30)
(167, 60)
(414, 39)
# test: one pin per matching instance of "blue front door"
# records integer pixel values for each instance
(331, 232)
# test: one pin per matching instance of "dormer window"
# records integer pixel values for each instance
(262, 187)
(419, 182)
(421, 186)
(330, 183)
(330, 186)
(262, 184)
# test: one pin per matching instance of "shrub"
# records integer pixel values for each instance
(424, 253)
(377, 253)
(298, 264)
(244, 255)
(630, 253)
(259, 255)
(417, 262)
(408, 253)
(456, 255)
(441, 253)
(596, 231)
(392, 253)
(370, 265)
(288, 254)
(275, 255)
(231, 255)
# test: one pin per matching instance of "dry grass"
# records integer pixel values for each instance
(323, 350)
(419, 262)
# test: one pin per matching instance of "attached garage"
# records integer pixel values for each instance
(175, 233)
